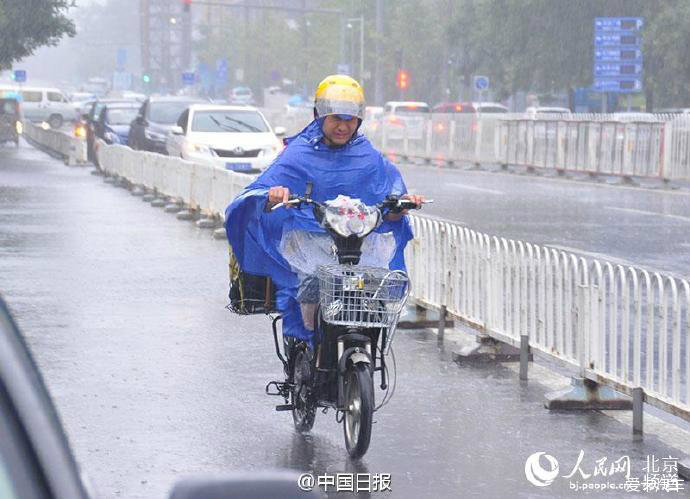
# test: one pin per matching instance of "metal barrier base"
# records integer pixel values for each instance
(586, 395)
(488, 349)
(187, 214)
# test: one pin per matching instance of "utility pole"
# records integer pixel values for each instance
(378, 82)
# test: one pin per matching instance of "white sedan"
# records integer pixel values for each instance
(235, 138)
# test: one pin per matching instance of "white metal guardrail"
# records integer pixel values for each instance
(628, 144)
(71, 148)
(618, 325)
(652, 146)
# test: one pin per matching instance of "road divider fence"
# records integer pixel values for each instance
(72, 149)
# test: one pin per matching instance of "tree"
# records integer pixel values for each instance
(26, 25)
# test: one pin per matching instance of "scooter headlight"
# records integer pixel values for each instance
(348, 216)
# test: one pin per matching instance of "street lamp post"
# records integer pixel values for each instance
(350, 22)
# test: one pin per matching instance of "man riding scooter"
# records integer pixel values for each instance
(327, 159)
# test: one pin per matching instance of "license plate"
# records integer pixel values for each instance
(238, 167)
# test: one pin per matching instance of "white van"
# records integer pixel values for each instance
(43, 104)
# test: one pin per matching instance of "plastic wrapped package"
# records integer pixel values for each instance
(306, 251)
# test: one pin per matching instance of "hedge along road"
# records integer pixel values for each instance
(123, 307)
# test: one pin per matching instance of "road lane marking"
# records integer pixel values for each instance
(652, 213)
(477, 189)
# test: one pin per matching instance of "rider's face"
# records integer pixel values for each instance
(337, 131)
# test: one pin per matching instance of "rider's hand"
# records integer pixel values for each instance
(277, 195)
(415, 198)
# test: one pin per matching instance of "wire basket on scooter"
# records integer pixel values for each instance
(361, 296)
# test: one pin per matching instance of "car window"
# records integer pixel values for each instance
(121, 116)
(6, 487)
(166, 113)
(411, 108)
(492, 109)
(20, 474)
(31, 96)
(228, 121)
(55, 97)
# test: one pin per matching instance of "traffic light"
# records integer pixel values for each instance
(146, 78)
(186, 5)
(402, 80)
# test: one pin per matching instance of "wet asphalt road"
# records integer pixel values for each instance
(123, 307)
(644, 227)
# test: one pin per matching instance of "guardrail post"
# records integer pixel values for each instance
(524, 356)
(429, 131)
(406, 144)
(442, 323)
(478, 141)
(451, 141)
(384, 135)
(638, 411)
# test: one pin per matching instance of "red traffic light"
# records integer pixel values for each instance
(402, 80)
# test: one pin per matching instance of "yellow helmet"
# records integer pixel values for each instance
(339, 94)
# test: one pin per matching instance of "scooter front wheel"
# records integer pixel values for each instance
(304, 411)
(359, 409)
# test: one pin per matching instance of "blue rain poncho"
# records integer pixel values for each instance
(355, 169)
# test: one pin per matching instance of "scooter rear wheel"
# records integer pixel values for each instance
(359, 409)
(304, 411)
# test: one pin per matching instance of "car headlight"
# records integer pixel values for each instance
(151, 135)
(199, 149)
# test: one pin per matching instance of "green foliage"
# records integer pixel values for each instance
(26, 25)
(522, 45)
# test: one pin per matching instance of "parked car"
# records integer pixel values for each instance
(90, 119)
(232, 137)
(489, 107)
(242, 96)
(453, 107)
(10, 121)
(44, 104)
(149, 130)
(547, 110)
(37, 462)
(114, 122)
(405, 119)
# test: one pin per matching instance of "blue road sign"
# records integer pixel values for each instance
(618, 23)
(617, 40)
(481, 83)
(189, 78)
(617, 63)
(20, 75)
(618, 85)
(221, 71)
(629, 55)
(121, 58)
(616, 69)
